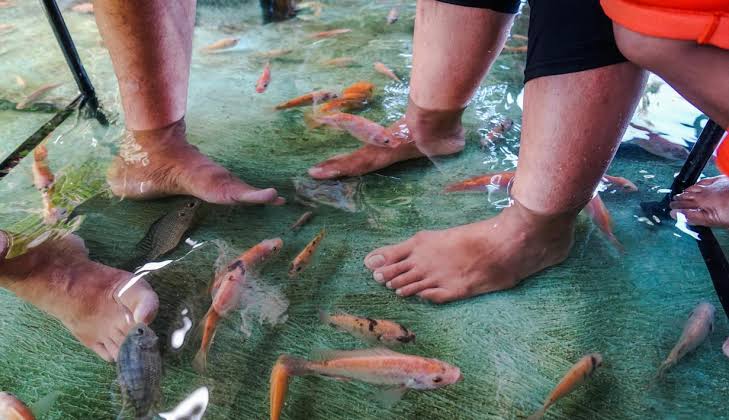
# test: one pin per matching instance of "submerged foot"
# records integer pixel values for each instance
(465, 261)
(426, 134)
(58, 278)
(705, 203)
(160, 163)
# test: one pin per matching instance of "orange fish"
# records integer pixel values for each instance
(42, 176)
(311, 98)
(302, 259)
(577, 374)
(85, 8)
(265, 79)
(339, 62)
(368, 329)
(6, 4)
(37, 94)
(659, 145)
(521, 49)
(498, 131)
(483, 182)
(6, 27)
(358, 90)
(11, 408)
(393, 15)
(227, 292)
(378, 366)
(329, 34)
(601, 217)
(383, 69)
(220, 45)
(340, 104)
(273, 53)
(360, 128)
(279, 386)
(626, 184)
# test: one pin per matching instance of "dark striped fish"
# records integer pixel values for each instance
(139, 369)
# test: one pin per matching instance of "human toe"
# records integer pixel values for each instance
(437, 295)
(389, 272)
(694, 217)
(409, 284)
(327, 170)
(387, 255)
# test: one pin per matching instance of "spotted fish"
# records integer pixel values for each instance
(139, 369)
(302, 260)
(373, 330)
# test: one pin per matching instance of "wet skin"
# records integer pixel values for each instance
(58, 278)
(705, 203)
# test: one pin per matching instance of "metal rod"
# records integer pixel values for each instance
(716, 263)
(60, 30)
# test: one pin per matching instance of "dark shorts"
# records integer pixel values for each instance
(565, 36)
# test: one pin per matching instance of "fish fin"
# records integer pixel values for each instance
(336, 354)
(279, 385)
(538, 414)
(296, 366)
(145, 244)
(199, 363)
(41, 407)
(389, 396)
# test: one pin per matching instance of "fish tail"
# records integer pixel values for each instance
(279, 386)
(454, 187)
(538, 414)
(323, 316)
(663, 369)
(199, 363)
(295, 366)
(311, 121)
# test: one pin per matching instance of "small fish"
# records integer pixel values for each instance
(697, 328)
(519, 37)
(383, 69)
(577, 374)
(725, 347)
(11, 408)
(360, 128)
(498, 131)
(279, 385)
(85, 8)
(166, 232)
(265, 79)
(483, 182)
(139, 368)
(338, 62)
(338, 104)
(601, 217)
(6, 4)
(311, 98)
(42, 175)
(220, 45)
(510, 49)
(227, 292)
(373, 330)
(301, 221)
(393, 15)
(378, 366)
(660, 146)
(302, 259)
(37, 94)
(20, 81)
(358, 90)
(626, 184)
(329, 34)
(273, 53)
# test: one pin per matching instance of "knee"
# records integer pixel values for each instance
(645, 51)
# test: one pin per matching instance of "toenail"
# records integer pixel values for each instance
(375, 261)
(379, 277)
(398, 292)
(388, 285)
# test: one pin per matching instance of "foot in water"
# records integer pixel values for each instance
(465, 261)
(705, 203)
(58, 278)
(158, 163)
(427, 133)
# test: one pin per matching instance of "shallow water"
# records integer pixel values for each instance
(512, 347)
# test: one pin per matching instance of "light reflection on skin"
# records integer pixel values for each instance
(191, 408)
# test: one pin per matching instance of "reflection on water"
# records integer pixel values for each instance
(510, 347)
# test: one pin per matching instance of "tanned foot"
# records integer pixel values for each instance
(426, 133)
(465, 261)
(160, 163)
(705, 203)
(58, 278)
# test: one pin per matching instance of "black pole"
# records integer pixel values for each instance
(60, 30)
(716, 263)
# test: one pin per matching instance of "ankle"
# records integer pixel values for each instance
(559, 223)
(158, 138)
(430, 126)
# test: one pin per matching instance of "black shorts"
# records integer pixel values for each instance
(565, 36)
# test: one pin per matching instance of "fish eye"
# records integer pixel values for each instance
(140, 331)
(437, 379)
(191, 204)
(387, 141)
(299, 268)
(275, 248)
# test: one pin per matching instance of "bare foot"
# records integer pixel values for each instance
(705, 203)
(427, 133)
(58, 278)
(494, 254)
(160, 163)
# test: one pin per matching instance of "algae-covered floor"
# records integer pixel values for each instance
(512, 347)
